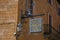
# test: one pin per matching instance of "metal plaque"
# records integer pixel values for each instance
(36, 24)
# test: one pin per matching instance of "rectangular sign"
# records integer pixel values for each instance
(36, 24)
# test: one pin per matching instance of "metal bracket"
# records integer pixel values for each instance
(33, 16)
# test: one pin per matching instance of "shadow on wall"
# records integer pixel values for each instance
(58, 1)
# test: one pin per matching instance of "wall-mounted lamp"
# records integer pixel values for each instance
(29, 10)
(19, 27)
(28, 13)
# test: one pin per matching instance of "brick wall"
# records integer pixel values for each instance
(8, 19)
